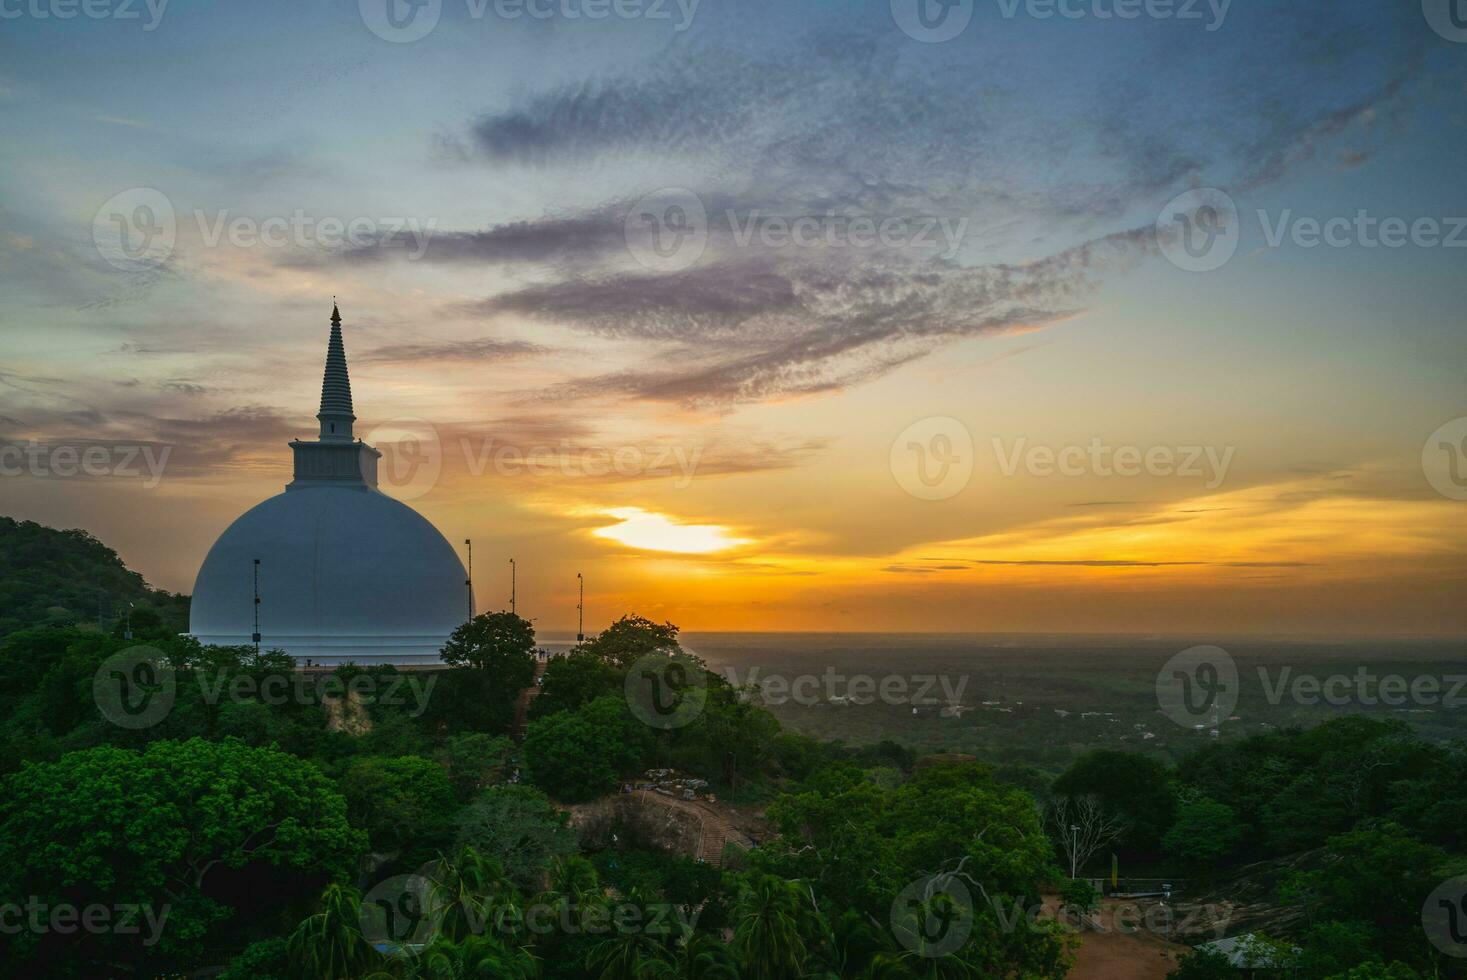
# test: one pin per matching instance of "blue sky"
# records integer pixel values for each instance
(500, 158)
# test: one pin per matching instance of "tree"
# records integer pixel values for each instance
(1133, 788)
(577, 755)
(403, 803)
(862, 846)
(517, 827)
(632, 637)
(1205, 832)
(476, 956)
(1079, 896)
(494, 657)
(772, 918)
(576, 679)
(635, 953)
(329, 944)
(492, 641)
(1376, 876)
(472, 894)
(268, 959)
(474, 761)
(739, 731)
(1081, 826)
(119, 826)
(1203, 964)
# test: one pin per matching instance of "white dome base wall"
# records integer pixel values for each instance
(332, 651)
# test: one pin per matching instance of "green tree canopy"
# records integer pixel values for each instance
(518, 827)
(578, 755)
(164, 825)
(632, 637)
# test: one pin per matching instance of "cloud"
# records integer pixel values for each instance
(483, 349)
(752, 329)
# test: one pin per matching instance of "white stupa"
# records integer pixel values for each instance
(345, 573)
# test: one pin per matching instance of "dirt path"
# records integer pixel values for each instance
(715, 829)
(1121, 948)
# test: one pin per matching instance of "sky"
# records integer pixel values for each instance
(1127, 316)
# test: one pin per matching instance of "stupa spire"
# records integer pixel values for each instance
(336, 416)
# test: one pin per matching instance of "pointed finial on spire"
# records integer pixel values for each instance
(336, 414)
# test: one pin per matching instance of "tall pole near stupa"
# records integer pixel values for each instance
(469, 582)
(581, 610)
(256, 636)
(511, 585)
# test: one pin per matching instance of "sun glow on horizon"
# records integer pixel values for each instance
(638, 528)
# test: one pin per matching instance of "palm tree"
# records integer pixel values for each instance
(472, 893)
(575, 877)
(635, 953)
(849, 945)
(474, 957)
(773, 918)
(329, 944)
(702, 957)
(574, 887)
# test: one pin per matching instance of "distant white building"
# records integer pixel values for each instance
(345, 572)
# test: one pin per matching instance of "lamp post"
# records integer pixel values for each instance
(581, 610)
(256, 635)
(469, 582)
(511, 585)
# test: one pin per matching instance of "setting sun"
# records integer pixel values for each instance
(637, 528)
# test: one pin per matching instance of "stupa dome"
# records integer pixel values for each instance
(345, 573)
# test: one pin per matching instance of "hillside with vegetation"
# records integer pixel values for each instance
(66, 578)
